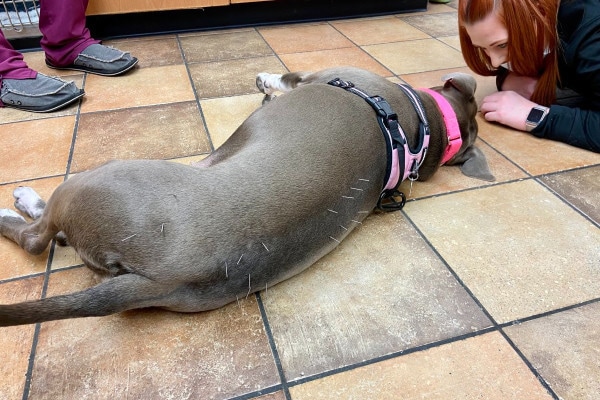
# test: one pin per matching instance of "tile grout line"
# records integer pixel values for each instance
(390, 356)
(273, 346)
(529, 365)
(275, 54)
(361, 48)
(36, 334)
(196, 96)
(566, 201)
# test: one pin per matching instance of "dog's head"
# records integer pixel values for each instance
(459, 91)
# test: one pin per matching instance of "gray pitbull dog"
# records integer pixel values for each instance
(287, 187)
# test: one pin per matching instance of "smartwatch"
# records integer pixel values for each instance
(535, 117)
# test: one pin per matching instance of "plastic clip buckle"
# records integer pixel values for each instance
(388, 203)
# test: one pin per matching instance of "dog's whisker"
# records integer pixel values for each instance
(347, 197)
(364, 180)
(226, 276)
(249, 287)
(359, 189)
(265, 246)
(129, 237)
(358, 222)
(334, 239)
(332, 211)
(343, 227)
(364, 212)
(238, 263)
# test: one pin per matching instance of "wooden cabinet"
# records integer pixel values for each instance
(100, 7)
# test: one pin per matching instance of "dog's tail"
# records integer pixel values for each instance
(117, 294)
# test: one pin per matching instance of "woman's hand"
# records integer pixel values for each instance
(508, 108)
(523, 85)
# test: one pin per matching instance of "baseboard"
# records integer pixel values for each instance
(233, 16)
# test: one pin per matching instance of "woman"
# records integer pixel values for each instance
(546, 57)
(68, 45)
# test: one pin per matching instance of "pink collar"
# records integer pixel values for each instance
(451, 122)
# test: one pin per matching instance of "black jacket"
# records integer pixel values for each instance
(579, 66)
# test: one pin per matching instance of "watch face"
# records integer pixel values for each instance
(535, 115)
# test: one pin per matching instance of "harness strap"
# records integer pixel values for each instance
(400, 164)
(415, 157)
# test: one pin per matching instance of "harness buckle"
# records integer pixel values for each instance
(337, 82)
(382, 108)
(387, 201)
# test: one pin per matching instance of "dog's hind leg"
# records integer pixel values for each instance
(30, 203)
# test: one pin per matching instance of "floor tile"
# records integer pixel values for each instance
(151, 353)
(378, 30)
(483, 367)
(38, 148)
(317, 60)
(155, 51)
(15, 261)
(16, 342)
(139, 87)
(518, 265)
(368, 298)
(284, 40)
(416, 56)
(439, 24)
(580, 187)
(563, 348)
(536, 156)
(232, 77)
(63, 257)
(225, 46)
(432, 8)
(224, 115)
(157, 132)
(452, 40)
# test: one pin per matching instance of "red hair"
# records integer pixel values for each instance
(531, 27)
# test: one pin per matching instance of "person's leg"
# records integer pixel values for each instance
(68, 43)
(65, 35)
(12, 64)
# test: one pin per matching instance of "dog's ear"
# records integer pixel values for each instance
(473, 164)
(462, 82)
(472, 161)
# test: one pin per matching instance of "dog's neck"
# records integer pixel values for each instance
(451, 123)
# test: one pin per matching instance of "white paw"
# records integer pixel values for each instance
(267, 83)
(6, 212)
(29, 202)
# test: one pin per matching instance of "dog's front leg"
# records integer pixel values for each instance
(271, 83)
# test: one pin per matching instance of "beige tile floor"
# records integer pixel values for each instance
(474, 290)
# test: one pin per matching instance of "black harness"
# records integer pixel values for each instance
(395, 142)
